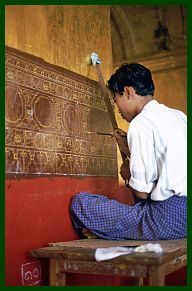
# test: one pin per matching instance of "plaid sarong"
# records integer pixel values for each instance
(146, 220)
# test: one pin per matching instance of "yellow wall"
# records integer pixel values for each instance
(62, 35)
(171, 88)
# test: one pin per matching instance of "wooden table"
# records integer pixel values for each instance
(78, 257)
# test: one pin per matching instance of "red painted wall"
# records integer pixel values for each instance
(37, 213)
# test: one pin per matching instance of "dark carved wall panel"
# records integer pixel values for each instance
(52, 116)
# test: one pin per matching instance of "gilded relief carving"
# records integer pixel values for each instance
(52, 116)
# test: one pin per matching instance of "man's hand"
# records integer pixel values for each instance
(125, 170)
(138, 196)
(121, 137)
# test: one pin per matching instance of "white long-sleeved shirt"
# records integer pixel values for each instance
(157, 139)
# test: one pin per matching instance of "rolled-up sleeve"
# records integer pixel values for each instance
(143, 166)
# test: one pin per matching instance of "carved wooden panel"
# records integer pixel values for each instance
(52, 116)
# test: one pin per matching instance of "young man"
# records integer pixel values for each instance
(156, 172)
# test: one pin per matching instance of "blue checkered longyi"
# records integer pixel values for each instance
(146, 220)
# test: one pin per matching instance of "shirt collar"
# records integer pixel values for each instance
(151, 105)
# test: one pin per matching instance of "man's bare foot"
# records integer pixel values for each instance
(88, 234)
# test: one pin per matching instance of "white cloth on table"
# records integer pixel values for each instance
(102, 254)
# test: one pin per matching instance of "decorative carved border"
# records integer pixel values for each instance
(52, 116)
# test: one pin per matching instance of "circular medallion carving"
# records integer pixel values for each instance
(71, 119)
(43, 111)
(13, 104)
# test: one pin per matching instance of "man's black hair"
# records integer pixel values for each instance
(133, 75)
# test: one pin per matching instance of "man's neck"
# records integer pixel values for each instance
(143, 100)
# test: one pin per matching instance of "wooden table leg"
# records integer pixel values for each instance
(156, 276)
(56, 278)
(138, 281)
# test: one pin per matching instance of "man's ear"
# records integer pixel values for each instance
(129, 91)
